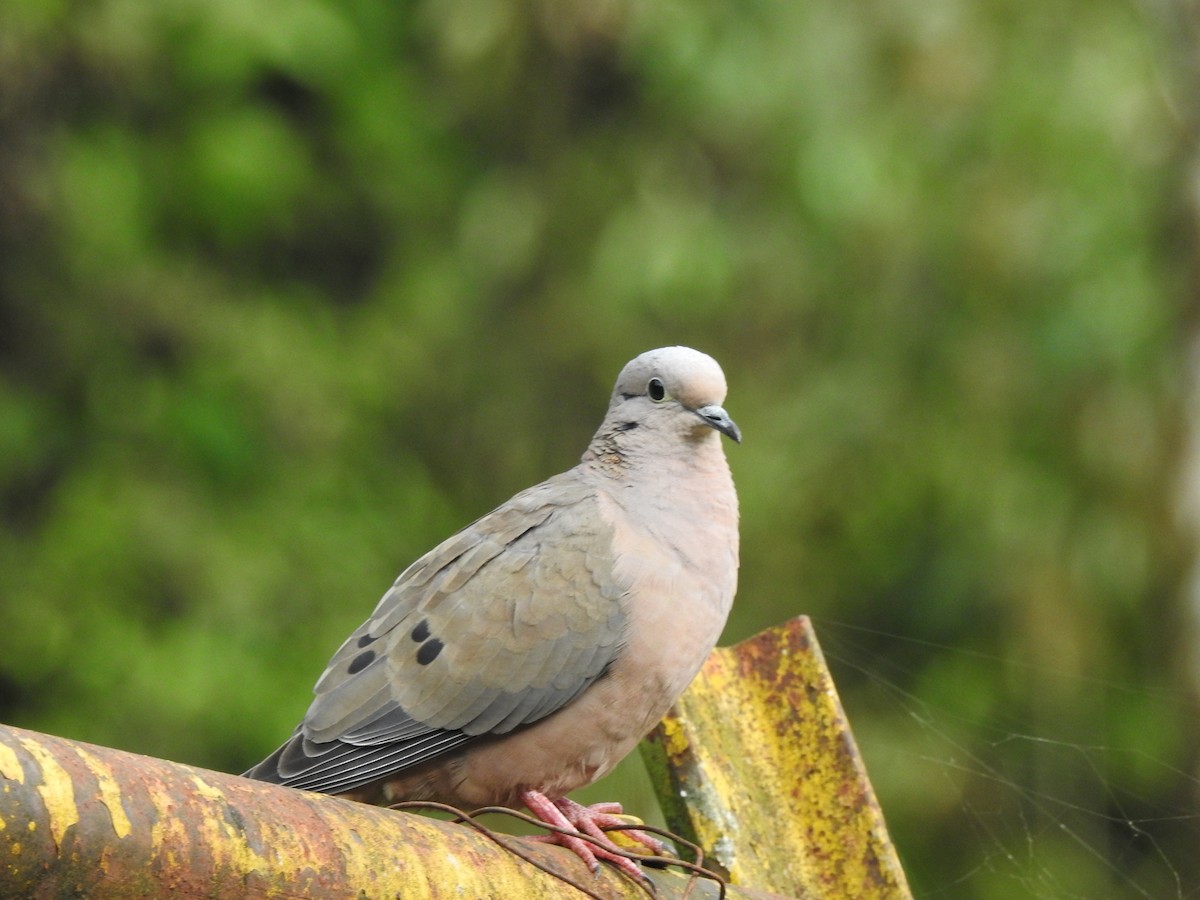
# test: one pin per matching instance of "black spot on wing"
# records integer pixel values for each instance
(430, 646)
(365, 640)
(361, 661)
(429, 651)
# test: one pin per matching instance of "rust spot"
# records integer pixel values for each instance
(763, 722)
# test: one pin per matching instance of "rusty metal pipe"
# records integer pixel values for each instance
(77, 820)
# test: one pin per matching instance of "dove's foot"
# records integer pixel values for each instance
(590, 820)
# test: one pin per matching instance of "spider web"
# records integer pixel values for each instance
(996, 801)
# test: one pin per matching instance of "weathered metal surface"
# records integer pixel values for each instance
(757, 765)
(78, 820)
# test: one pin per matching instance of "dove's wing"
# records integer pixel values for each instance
(499, 626)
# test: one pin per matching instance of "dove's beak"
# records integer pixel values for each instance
(716, 417)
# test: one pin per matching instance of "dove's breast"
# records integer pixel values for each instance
(678, 573)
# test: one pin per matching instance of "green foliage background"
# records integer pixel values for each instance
(290, 292)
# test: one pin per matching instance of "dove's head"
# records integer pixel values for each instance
(672, 389)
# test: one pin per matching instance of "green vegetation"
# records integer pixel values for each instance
(290, 292)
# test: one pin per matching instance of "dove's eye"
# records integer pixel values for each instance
(656, 390)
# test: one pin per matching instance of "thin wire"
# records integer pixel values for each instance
(466, 819)
(694, 869)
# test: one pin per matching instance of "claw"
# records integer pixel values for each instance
(629, 836)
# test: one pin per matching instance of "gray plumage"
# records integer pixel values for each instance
(532, 650)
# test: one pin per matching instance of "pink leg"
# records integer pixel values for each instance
(593, 819)
(566, 813)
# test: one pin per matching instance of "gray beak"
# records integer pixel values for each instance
(716, 417)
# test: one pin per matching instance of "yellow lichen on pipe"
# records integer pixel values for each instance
(81, 820)
(756, 763)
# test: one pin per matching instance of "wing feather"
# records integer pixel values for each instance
(500, 625)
